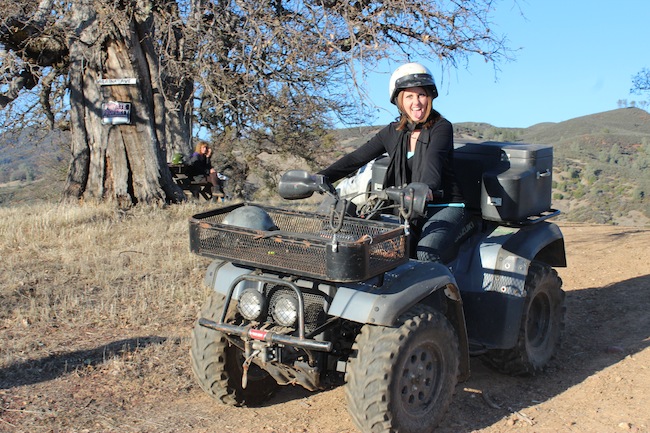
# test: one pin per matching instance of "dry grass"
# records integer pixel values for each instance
(79, 278)
(97, 308)
(68, 263)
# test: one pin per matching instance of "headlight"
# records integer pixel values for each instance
(285, 310)
(251, 304)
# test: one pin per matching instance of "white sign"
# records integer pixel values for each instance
(116, 81)
(116, 113)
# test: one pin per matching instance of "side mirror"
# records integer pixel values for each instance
(297, 184)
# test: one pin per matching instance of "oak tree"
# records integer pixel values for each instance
(135, 80)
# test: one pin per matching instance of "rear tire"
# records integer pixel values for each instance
(217, 365)
(402, 379)
(542, 325)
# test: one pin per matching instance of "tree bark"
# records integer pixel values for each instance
(271, 72)
(124, 162)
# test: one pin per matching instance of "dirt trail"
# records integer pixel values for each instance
(599, 382)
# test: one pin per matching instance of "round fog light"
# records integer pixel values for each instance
(251, 304)
(285, 310)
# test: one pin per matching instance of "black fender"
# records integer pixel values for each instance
(491, 272)
(497, 259)
(381, 300)
(543, 242)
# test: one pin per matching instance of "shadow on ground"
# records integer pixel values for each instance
(40, 370)
(603, 326)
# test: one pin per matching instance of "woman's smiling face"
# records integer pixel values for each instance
(414, 103)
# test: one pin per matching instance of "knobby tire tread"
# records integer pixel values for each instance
(370, 375)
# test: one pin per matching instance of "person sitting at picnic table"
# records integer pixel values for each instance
(200, 168)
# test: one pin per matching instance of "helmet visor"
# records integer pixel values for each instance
(414, 80)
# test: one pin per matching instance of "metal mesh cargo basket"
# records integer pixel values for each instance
(304, 245)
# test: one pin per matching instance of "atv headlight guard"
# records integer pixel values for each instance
(285, 309)
(252, 304)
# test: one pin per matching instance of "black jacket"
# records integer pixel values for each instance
(198, 165)
(432, 163)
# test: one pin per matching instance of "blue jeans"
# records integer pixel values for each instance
(440, 234)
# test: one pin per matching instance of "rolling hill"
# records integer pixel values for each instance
(601, 162)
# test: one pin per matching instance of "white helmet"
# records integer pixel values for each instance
(411, 75)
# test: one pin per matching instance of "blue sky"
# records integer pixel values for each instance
(575, 57)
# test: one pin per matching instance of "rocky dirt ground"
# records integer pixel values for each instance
(107, 379)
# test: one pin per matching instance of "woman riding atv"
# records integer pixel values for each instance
(420, 147)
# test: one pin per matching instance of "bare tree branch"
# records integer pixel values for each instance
(641, 82)
(275, 70)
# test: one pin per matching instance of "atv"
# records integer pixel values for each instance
(333, 297)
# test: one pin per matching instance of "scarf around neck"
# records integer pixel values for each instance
(397, 173)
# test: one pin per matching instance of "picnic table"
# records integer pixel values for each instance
(196, 185)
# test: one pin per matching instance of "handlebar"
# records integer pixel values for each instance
(410, 199)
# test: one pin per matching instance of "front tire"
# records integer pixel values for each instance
(217, 365)
(402, 379)
(542, 325)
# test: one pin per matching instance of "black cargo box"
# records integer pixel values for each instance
(506, 182)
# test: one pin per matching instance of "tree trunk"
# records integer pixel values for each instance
(124, 162)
